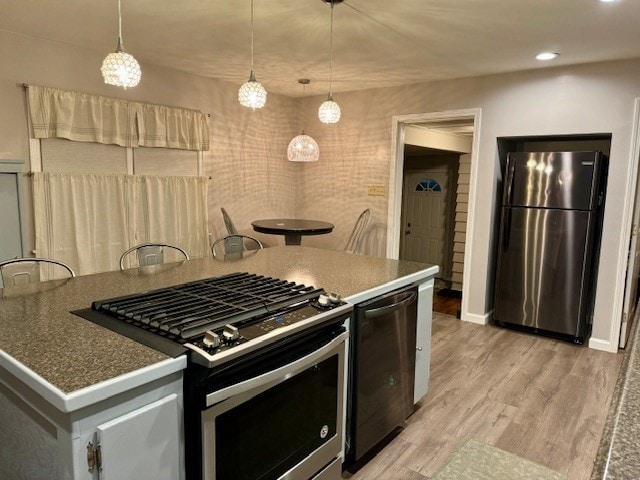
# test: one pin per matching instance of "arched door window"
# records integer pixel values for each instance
(428, 185)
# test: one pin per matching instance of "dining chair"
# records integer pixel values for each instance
(23, 271)
(231, 228)
(233, 247)
(357, 234)
(151, 254)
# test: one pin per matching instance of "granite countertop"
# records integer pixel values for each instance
(619, 451)
(71, 353)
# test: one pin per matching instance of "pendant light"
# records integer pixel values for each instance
(303, 148)
(119, 68)
(329, 112)
(251, 93)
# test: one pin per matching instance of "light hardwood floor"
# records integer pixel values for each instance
(539, 398)
(446, 305)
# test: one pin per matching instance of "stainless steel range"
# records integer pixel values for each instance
(264, 389)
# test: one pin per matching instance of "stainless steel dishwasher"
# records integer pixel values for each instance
(382, 369)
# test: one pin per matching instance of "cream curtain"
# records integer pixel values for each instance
(170, 127)
(82, 117)
(88, 220)
(173, 210)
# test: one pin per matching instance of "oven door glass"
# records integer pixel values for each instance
(290, 427)
(274, 431)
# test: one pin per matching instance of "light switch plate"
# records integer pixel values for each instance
(375, 190)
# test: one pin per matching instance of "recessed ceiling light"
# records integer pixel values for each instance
(546, 56)
(608, 1)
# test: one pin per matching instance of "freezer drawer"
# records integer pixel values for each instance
(543, 270)
(565, 180)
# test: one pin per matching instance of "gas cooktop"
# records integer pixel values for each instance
(219, 318)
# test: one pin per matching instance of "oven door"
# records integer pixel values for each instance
(284, 422)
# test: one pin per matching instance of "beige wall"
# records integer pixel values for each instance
(593, 98)
(251, 176)
(247, 161)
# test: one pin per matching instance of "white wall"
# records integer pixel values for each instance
(593, 98)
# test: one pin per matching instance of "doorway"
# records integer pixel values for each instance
(441, 132)
(632, 278)
(432, 187)
(11, 234)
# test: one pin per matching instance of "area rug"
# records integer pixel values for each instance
(475, 460)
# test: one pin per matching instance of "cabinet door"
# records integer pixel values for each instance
(423, 340)
(143, 444)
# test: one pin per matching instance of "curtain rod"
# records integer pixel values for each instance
(30, 173)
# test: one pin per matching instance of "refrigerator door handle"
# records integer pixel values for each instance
(506, 232)
(508, 198)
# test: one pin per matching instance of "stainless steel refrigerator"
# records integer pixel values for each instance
(550, 227)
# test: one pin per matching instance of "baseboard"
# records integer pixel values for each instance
(604, 345)
(479, 319)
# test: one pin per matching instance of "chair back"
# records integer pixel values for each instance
(234, 247)
(231, 228)
(151, 254)
(357, 234)
(23, 271)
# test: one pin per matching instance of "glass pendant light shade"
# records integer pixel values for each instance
(303, 148)
(329, 111)
(252, 94)
(119, 68)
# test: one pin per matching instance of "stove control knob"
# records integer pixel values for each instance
(334, 297)
(230, 333)
(211, 339)
(323, 300)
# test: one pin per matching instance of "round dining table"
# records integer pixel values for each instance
(292, 228)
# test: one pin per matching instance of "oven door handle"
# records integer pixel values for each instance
(283, 372)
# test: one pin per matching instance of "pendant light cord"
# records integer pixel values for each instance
(119, 22)
(251, 36)
(304, 94)
(330, 51)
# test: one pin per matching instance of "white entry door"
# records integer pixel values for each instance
(424, 233)
(10, 236)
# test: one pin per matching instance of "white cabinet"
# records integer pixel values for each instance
(136, 434)
(142, 444)
(423, 339)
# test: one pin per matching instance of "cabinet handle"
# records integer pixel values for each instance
(419, 349)
(91, 459)
(94, 457)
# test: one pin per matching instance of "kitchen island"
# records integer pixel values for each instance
(619, 451)
(70, 377)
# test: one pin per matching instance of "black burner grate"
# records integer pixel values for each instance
(188, 310)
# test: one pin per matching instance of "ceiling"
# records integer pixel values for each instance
(376, 42)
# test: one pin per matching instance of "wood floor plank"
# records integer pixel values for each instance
(539, 398)
(389, 463)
